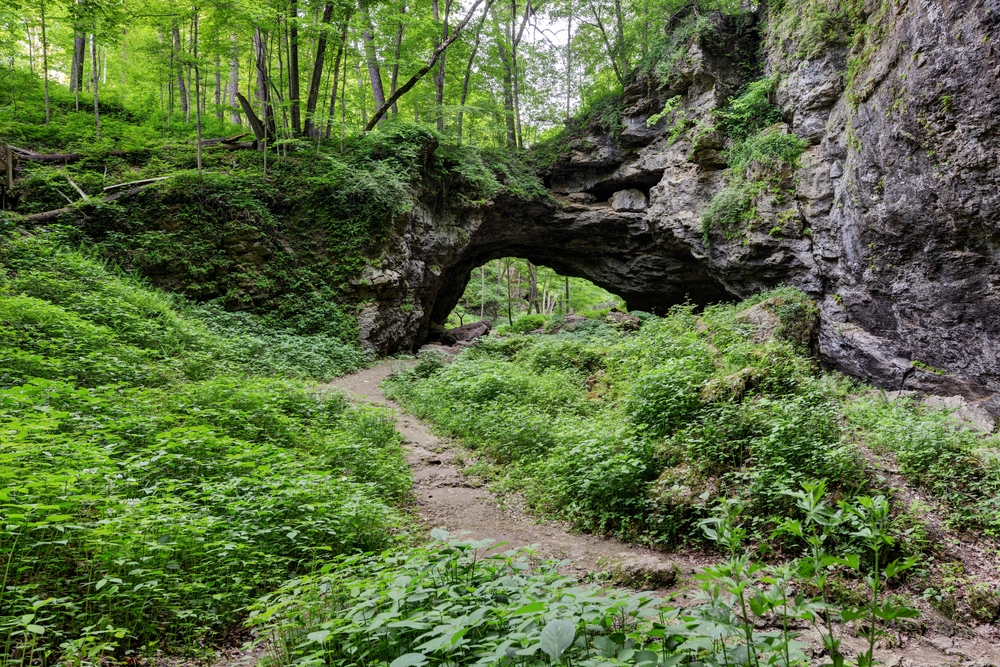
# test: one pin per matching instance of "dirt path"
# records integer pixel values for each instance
(445, 498)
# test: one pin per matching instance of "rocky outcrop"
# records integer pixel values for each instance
(891, 221)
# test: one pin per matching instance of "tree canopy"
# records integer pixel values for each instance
(487, 72)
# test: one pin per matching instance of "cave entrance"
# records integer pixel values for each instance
(508, 289)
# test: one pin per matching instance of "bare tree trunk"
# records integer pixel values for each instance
(218, 86)
(293, 65)
(187, 70)
(361, 90)
(263, 81)
(396, 54)
(620, 37)
(234, 81)
(182, 92)
(93, 58)
(317, 73)
(31, 47)
(515, 41)
(281, 82)
(79, 52)
(343, 94)
(468, 74)
(508, 91)
(45, 65)
(367, 35)
(439, 76)
(607, 45)
(336, 76)
(533, 295)
(197, 86)
(569, 59)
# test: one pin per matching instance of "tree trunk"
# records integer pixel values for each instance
(234, 82)
(515, 41)
(93, 58)
(468, 75)
(361, 91)
(620, 38)
(187, 70)
(79, 52)
(182, 92)
(508, 91)
(533, 295)
(197, 86)
(45, 65)
(439, 76)
(317, 73)
(293, 65)
(569, 59)
(367, 35)
(218, 87)
(607, 45)
(263, 84)
(336, 76)
(343, 94)
(396, 55)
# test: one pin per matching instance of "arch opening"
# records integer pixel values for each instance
(507, 289)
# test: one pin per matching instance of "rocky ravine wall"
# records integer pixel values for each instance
(893, 225)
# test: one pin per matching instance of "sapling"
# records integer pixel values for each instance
(870, 517)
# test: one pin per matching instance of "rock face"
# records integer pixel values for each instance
(891, 221)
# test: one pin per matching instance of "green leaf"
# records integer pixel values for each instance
(532, 608)
(37, 629)
(101, 584)
(606, 646)
(319, 636)
(556, 637)
(409, 660)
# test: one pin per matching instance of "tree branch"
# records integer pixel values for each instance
(426, 68)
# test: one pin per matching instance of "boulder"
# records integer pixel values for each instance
(466, 333)
(965, 411)
(642, 571)
(631, 201)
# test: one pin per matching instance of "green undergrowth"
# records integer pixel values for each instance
(468, 603)
(760, 160)
(641, 434)
(162, 465)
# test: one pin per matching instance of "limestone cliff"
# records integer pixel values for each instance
(890, 220)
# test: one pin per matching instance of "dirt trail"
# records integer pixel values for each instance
(445, 498)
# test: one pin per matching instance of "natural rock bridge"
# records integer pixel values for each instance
(891, 223)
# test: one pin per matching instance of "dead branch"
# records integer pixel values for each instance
(83, 195)
(144, 181)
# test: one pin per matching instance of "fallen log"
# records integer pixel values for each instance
(224, 140)
(240, 146)
(87, 204)
(62, 157)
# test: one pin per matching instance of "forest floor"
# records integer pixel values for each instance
(445, 497)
